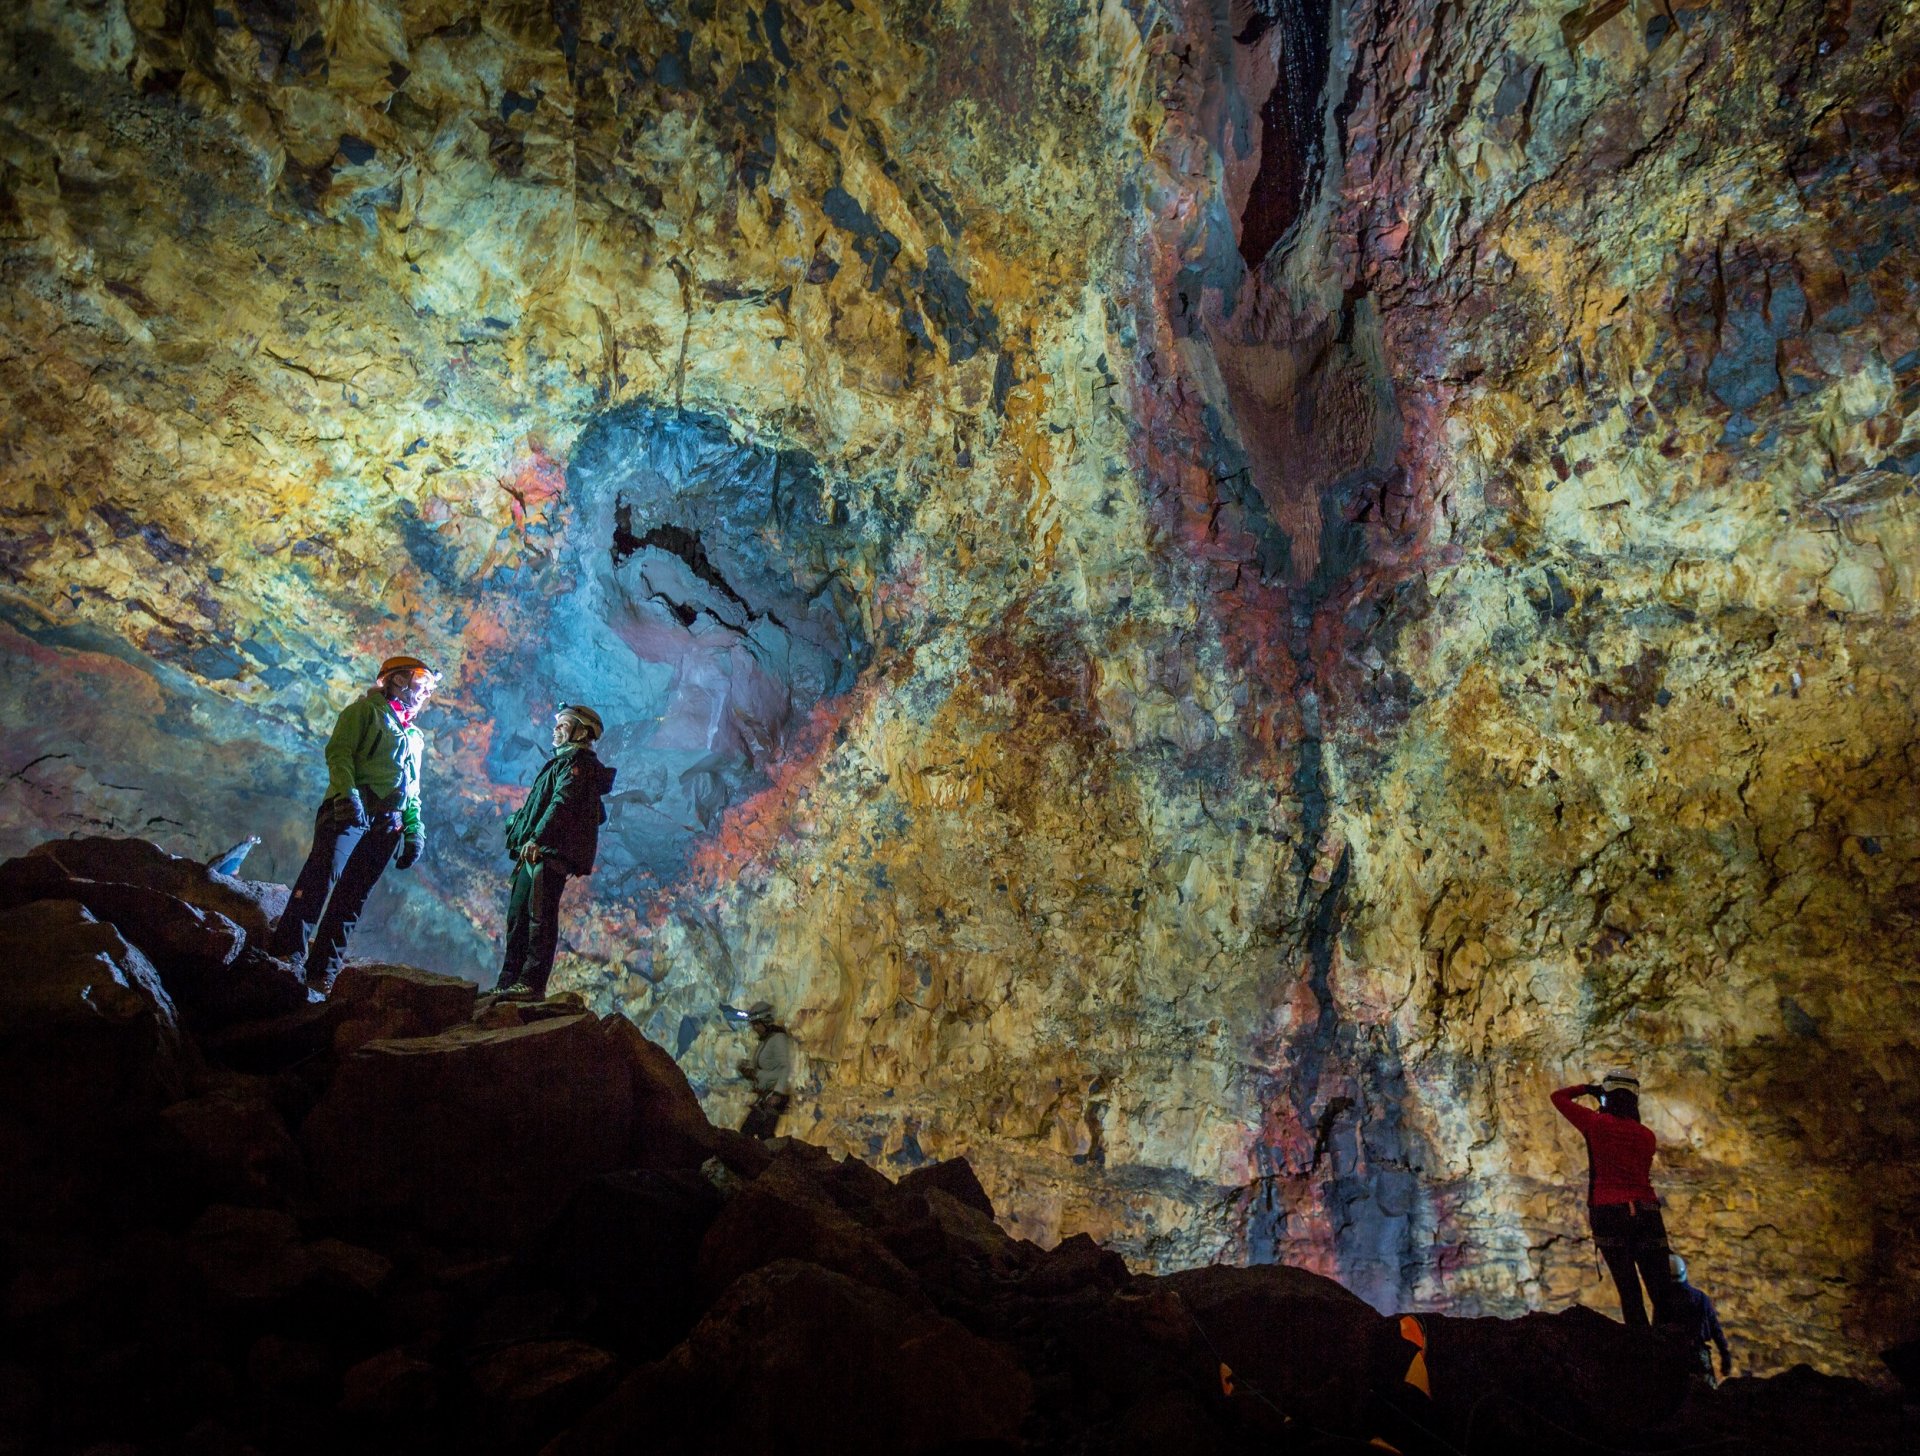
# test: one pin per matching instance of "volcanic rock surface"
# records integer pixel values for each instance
(507, 1227)
(1207, 637)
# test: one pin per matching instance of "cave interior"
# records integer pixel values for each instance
(1211, 598)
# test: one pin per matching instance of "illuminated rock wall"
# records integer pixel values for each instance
(1214, 743)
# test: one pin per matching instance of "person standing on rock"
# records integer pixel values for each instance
(554, 834)
(371, 810)
(770, 1069)
(1622, 1207)
(1693, 1310)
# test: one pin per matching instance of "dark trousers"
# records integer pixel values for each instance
(764, 1115)
(533, 924)
(342, 868)
(1632, 1238)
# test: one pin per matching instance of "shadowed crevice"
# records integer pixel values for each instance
(1290, 121)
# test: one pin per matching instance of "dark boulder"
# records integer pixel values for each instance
(253, 905)
(1076, 1264)
(1134, 1373)
(479, 1133)
(293, 1371)
(955, 1178)
(393, 1385)
(1523, 1379)
(1799, 1410)
(1295, 1341)
(795, 1357)
(214, 976)
(379, 1002)
(536, 1385)
(247, 1255)
(626, 1246)
(164, 926)
(88, 1035)
(953, 1248)
(255, 987)
(276, 1043)
(228, 1145)
(672, 1130)
(788, 1212)
(1903, 1360)
(251, 1256)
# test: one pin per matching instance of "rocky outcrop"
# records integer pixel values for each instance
(517, 1232)
(90, 1035)
(381, 1002)
(203, 933)
(472, 1149)
(1208, 640)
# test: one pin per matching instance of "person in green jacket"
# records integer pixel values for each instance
(554, 834)
(371, 810)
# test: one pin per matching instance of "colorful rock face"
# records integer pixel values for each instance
(1215, 744)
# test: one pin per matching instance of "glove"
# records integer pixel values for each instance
(346, 812)
(410, 848)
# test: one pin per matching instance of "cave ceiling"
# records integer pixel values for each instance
(1212, 598)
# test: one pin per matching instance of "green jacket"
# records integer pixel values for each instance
(371, 751)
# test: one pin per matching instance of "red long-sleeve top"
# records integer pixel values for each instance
(1619, 1152)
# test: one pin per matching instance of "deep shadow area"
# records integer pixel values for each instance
(413, 1218)
(1290, 121)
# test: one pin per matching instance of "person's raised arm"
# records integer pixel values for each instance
(1565, 1103)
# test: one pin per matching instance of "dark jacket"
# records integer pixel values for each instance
(1702, 1320)
(563, 812)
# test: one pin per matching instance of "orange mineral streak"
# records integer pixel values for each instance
(134, 688)
(753, 826)
(466, 762)
(536, 482)
(1028, 480)
(486, 632)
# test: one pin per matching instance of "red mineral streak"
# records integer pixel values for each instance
(750, 828)
(1258, 630)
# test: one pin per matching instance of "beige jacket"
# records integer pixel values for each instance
(772, 1064)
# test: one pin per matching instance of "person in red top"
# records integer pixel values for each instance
(1622, 1207)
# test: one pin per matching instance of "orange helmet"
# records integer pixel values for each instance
(403, 664)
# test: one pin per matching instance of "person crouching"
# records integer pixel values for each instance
(769, 1070)
(371, 810)
(554, 834)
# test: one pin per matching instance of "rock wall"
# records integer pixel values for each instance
(1215, 744)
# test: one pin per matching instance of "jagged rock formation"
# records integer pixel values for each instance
(1208, 641)
(498, 1226)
